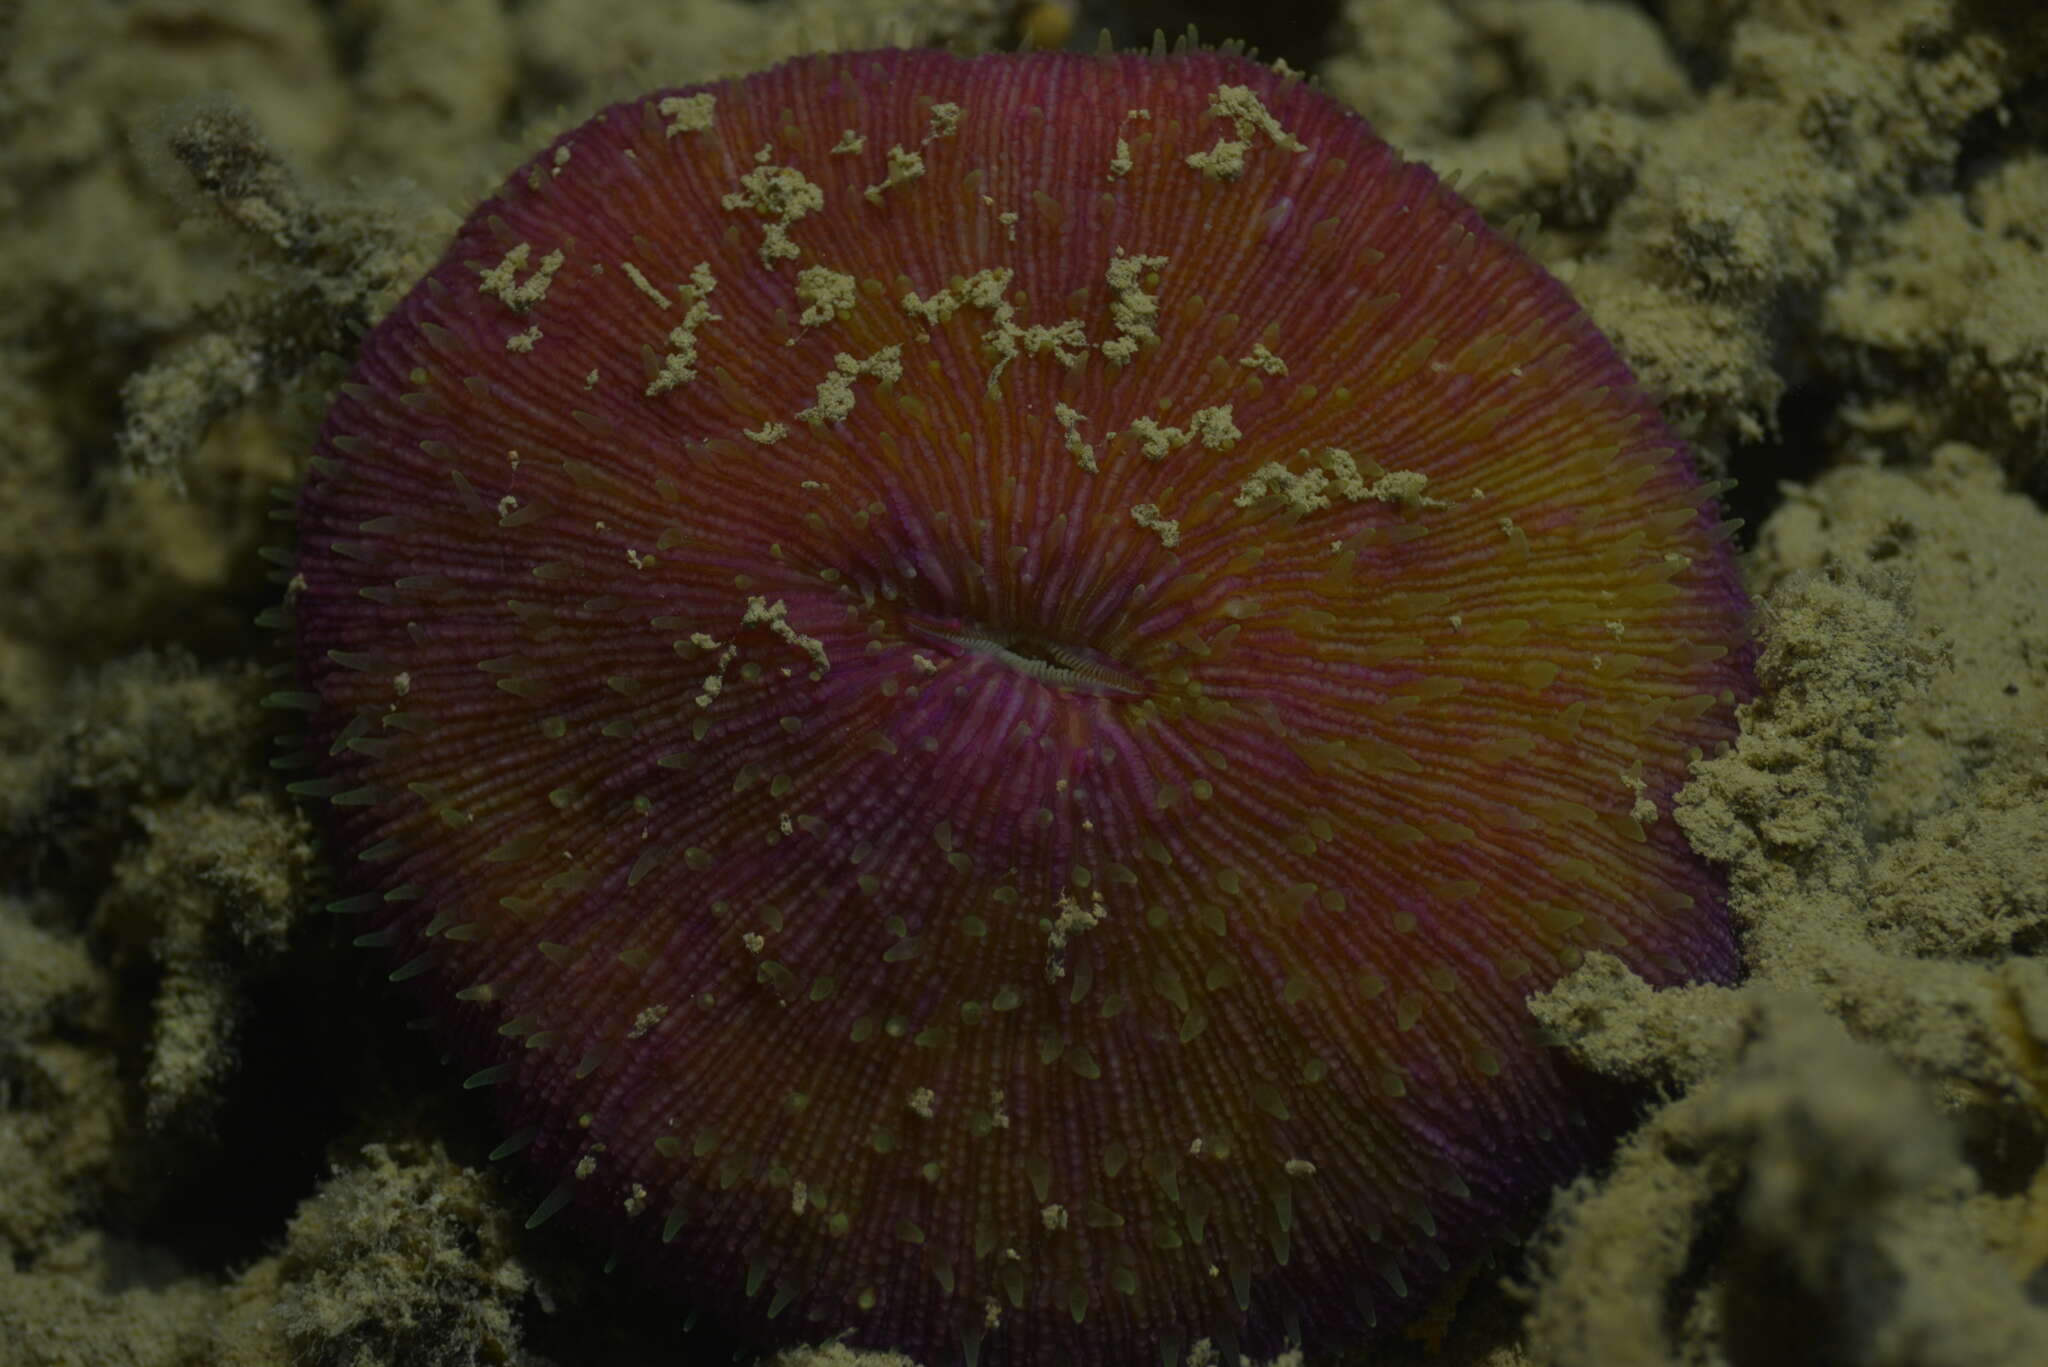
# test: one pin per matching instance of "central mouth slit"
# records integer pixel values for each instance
(1075, 668)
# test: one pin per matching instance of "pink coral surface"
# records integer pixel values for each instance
(980, 687)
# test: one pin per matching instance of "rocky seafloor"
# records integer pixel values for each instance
(1816, 232)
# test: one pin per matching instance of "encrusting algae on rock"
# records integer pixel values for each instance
(979, 687)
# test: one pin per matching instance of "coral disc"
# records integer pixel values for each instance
(981, 685)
